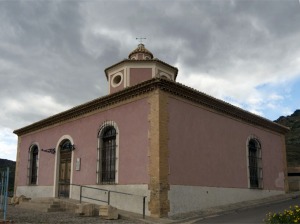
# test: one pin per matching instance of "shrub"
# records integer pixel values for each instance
(288, 216)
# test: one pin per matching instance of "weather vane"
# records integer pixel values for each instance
(141, 39)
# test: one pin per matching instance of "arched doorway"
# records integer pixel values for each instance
(65, 162)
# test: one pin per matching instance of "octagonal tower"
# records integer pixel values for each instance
(139, 67)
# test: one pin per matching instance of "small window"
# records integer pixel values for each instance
(164, 75)
(116, 79)
(33, 164)
(255, 164)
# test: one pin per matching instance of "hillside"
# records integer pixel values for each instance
(12, 166)
(292, 138)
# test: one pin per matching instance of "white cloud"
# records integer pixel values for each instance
(19, 112)
(52, 53)
(249, 94)
(46, 105)
(27, 108)
(8, 144)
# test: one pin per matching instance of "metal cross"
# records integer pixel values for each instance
(141, 39)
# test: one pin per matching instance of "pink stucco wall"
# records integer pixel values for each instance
(138, 75)
(132, 123)
(209, 149)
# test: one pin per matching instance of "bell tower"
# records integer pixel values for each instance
(138, 67)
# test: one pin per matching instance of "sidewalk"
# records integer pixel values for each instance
(211, 212)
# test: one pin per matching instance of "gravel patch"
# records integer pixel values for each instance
(21, 215)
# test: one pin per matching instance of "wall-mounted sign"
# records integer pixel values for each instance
(52, 151)
(78, 160)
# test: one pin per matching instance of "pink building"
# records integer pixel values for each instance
(153, 137)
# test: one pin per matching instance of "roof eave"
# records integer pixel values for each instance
(140, 61)
(148, 86)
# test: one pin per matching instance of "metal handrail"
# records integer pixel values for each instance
(108, 195)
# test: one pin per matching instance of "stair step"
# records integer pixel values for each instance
(44, 200)
(50, 205)
(56, 210)
(34, 206)
(42, 206)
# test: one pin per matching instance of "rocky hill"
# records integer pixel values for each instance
(292, 138)
(4, 163)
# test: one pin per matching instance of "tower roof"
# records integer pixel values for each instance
(140, 50)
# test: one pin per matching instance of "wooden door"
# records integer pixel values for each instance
(64, 174)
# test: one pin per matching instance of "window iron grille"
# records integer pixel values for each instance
(255, 164)
(66, 146)
(106, 170)
(33, 164)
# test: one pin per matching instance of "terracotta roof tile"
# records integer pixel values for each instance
(140, 49)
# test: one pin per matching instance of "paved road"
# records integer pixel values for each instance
(252, 215)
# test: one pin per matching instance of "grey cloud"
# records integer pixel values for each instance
(208, 35)
(51, 55)
(53, 47)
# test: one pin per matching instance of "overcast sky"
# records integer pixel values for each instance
(53, 53)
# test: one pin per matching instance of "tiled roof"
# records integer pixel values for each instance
(140, 49)
(148, 86)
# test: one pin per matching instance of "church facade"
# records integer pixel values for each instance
(155, 138)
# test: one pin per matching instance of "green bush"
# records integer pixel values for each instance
(288, 216)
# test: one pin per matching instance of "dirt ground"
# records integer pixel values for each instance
(21, 215)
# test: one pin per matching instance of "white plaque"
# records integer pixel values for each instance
(78, 164)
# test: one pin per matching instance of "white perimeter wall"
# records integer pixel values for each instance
(182, 198)
(120, 201)
(192, 198)
(35, 191)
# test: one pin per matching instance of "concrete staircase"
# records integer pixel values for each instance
(50, 204)
(69, 205)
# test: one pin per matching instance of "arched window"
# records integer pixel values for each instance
(66, 146)
(33, 164)
(255, 163)
(107, 154)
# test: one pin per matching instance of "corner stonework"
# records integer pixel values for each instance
(159, 204)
